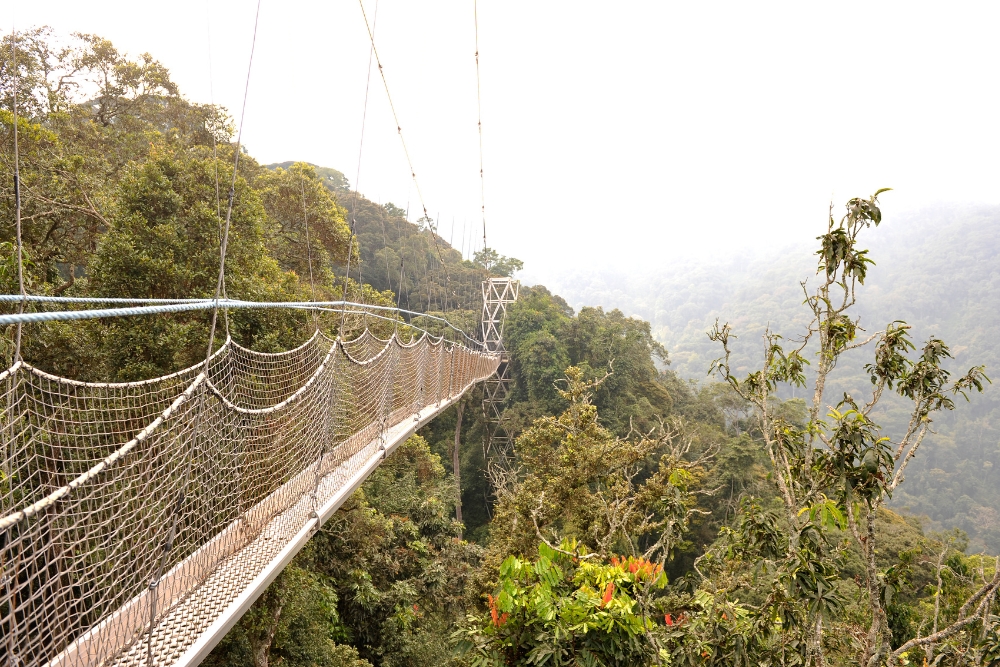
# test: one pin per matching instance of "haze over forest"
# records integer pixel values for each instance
(937, 268)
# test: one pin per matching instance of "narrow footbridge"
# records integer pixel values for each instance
(139, 520)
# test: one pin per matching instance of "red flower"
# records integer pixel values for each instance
(493, 610)
(608, 592)
(668, 619)
(416, 608)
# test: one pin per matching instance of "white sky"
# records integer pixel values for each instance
(614, 133)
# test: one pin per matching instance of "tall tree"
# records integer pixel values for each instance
(839, 468)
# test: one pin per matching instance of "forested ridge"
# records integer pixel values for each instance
(937, 269)
(646, 519)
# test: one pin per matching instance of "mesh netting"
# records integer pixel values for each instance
(126, 507)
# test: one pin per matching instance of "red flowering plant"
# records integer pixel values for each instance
(568, 607)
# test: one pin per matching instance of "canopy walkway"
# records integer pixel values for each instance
(140, 520)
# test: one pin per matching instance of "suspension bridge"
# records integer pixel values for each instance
(142, 519)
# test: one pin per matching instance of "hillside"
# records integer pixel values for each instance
(937, 269)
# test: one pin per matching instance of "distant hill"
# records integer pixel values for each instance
(411, 259)
(938, 269)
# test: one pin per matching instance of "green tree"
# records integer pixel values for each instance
(544, 338)
(839, 469)
(164, 243)
(88, 113)
(395, 558)
(575, 479)
(495, 263)
(299, 206)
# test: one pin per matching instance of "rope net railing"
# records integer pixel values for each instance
(131, 514)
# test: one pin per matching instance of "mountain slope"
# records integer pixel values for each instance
(938, 269)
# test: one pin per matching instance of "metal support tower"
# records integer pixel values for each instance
(498, 293)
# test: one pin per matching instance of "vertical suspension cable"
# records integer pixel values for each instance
(479, 108)
(215, 156)
(388, 270)
(406, 219)
(402, 256)
(17, 203)
(447, 275)
(10, 596)
(361, 288)
(347, 273)
(219, 286)
(357, 178)
(309, 259)
(402, 140)
(385, 244)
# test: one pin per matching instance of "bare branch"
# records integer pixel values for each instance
(865, 341)
(984, 595)
(897, 479)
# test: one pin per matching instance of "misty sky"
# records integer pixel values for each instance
(615, 134)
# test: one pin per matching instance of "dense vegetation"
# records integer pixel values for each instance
(644, 520)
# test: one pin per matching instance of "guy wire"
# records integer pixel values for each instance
(399, 130)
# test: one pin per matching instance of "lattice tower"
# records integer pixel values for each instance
(498, 294)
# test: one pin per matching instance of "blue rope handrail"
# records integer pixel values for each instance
(184, 305)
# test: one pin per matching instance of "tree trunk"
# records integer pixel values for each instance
(818, 638)
(260, 651)
(266, 621)
(455, 461)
